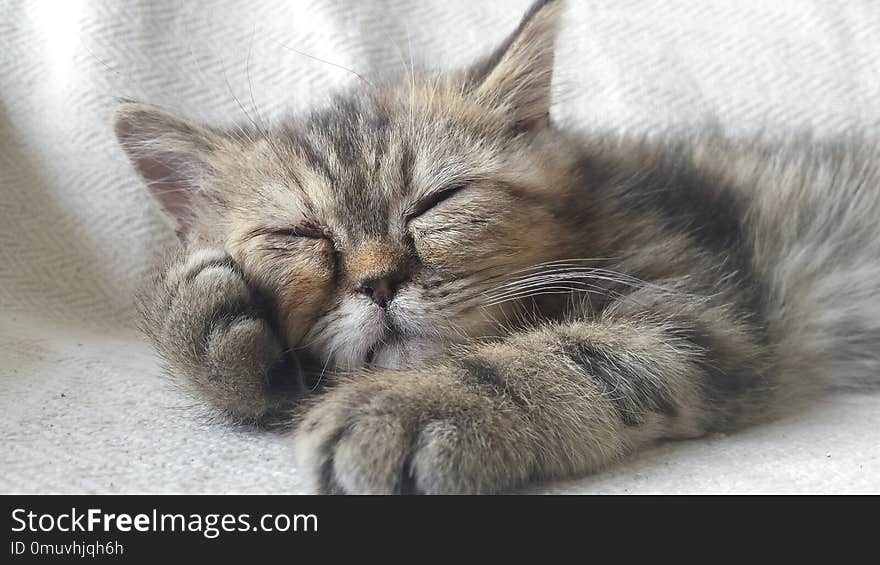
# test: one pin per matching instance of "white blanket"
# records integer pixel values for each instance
(83, 406)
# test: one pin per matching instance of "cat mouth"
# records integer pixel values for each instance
(368, 358)
(389, 334)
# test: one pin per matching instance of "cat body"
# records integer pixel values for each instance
(451, 295)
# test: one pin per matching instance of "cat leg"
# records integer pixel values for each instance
(560, 400)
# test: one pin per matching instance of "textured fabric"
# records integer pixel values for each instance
(83, 406)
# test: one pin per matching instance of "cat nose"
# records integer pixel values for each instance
(380, 290)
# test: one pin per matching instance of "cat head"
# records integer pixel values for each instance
(386, 224)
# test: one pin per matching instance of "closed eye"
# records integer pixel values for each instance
(433, 200)
(306, 231)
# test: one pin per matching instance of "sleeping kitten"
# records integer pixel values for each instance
(454, 296)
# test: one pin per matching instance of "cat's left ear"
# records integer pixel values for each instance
(516, 78)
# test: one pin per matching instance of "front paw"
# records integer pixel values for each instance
(412, 433)
(215, 333)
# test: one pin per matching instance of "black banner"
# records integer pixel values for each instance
(137, 528)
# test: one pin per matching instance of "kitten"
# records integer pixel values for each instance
(455, 296)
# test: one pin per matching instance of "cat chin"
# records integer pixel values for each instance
(408, 353)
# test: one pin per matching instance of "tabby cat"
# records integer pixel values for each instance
(445, 293)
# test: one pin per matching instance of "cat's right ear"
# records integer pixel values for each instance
(172, 156)
(516, 77)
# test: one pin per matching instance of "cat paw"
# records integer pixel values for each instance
(211, 328)
(409, 434)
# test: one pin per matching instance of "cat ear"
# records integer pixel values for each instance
(516, 77)
(172, 157)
